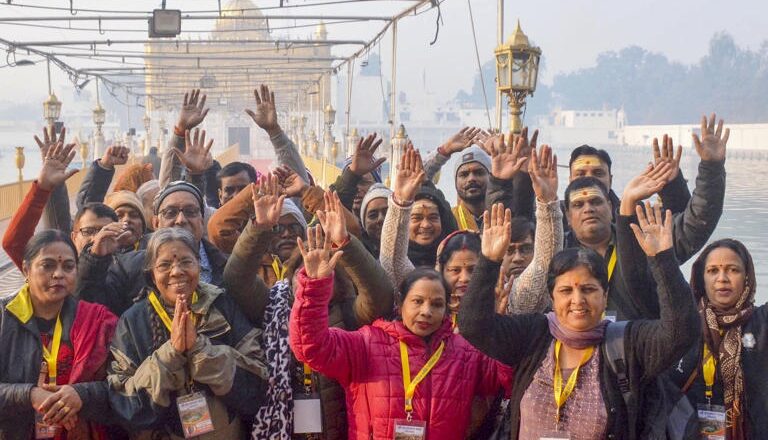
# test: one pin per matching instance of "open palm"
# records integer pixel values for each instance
(410, 175)
(543, 172)
(265, 115)
(497, 232)
(267, 201)
(192, 111)
(711, 146)
(652, 233)
(319, 260)
(54, 171)
(506, 160)
(197, 155)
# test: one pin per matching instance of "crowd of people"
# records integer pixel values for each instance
(186, 299)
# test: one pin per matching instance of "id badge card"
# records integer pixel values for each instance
(307, 414)
(711, 422)
(555, 435)
(42, 429)
(410, 430)
(194, 414)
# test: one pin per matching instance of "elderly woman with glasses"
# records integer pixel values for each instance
(187, 361)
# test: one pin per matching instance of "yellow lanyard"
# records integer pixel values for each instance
(160, 310)
(561, 395)
(611, 263)
(410, 386)
(51, 356)
(278, 268)
(462, 219)
(708, 368)
(454, 317)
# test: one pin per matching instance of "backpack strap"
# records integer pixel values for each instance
(614, 354)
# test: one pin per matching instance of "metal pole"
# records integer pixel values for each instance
(499, 41)
(393, 103)
(349, 100)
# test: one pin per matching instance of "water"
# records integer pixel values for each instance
(746, 205)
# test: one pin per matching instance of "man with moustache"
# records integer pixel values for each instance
(471, 176)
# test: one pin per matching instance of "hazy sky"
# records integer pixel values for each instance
(570, 32)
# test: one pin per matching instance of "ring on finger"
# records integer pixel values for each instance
(61, 404)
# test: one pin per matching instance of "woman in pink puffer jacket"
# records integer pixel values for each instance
(367, 362)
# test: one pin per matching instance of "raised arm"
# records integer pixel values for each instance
(694, 226)
(265, 116)
(56, 213)
(675, 194)
(96, 183)
(394, 232)
(335, 353)
(243, 283)
(509, 183)
(227, 223)
(191, 114)
(24, 221)
(529, 291)
(661, 342)
(362, 162)
(460, 141)
(498, 336)
(375, 293)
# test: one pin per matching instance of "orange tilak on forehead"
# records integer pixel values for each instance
(586, 194)
(586, 161)
(424, 207)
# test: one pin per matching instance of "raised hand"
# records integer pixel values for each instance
(197, 155)
(497, 232)
(526, 145)
(54, 171)
(667, 154)
(543, 172)
(506, 160)
(653, 233)
(265, 115)
(461, 140)
(114, 155)
(49, 139)
(651, 181)
(192, 111)
(292, 184)
(319, 259)
(332, 219)
(107, 240)
(363, 161)
(410, 175)
(267, 201)
(711, 146)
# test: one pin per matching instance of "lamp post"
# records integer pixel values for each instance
(352, 139)
(517, 69)
(329, 117)
(99, 117)
(302, 134)
(314, 144)
(398, 146)
(147, 127)
(19, 166)
(161, 133)
(84, 152)
(52, 105)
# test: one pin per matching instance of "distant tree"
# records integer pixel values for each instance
(654, 90)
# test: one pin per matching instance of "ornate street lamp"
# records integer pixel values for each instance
(147, 120)
(99, 117)
(398, 146)
(517, 69)
(52, 105)
(329, 115)
(352, 139)
(314, 144)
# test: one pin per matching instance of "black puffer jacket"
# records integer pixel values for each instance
(522, 342)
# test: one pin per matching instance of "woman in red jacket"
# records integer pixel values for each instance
(412, 376)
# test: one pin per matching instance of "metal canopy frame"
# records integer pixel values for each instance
(84, 59)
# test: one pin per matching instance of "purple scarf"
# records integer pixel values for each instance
(574, 339)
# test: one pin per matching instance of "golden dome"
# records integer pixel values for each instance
(518, 37)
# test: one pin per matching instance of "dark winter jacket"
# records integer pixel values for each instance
(523, 341)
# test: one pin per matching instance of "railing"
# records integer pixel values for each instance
(324, 173)
(12, 194)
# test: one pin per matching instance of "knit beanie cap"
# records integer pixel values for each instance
(376, 191)
(117, 199)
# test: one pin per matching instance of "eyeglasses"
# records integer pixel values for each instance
(293, 229)
(186, 264)
(89, 231)
(172, 212)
